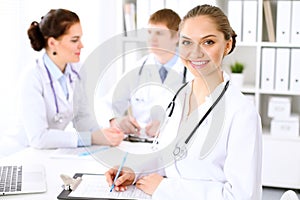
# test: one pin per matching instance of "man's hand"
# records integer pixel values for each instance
(108, 136)
(153, 128)
(127, 124)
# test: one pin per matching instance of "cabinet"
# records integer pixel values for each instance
(275, 62)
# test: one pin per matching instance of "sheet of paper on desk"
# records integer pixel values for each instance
(95, 186)
(135, 147)
(80, 152)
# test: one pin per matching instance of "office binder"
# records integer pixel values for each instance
(282, 69)
(295, 26)
(235, 17)
(269, 21)
(267, 68)
(249, 21)
(295, 70)
(283, 21)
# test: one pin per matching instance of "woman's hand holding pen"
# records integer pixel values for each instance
(148, 184)
(127, 124)
(125, 178)
(108, 136)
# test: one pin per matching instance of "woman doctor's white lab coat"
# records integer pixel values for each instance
(38, 109)
(230, 169)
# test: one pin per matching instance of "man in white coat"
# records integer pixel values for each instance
(158, 74)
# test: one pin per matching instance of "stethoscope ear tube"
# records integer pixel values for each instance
(58, 117)
(172, 103)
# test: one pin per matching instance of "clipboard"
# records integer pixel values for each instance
(65, 193)
(69, 194)
(135, 138)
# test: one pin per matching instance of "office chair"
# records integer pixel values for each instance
(289, 195)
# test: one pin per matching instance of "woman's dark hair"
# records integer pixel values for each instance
(218, 16)
(54, 24)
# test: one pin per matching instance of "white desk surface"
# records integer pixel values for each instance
(54, 167)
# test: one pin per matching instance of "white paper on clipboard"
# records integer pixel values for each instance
(95, 186)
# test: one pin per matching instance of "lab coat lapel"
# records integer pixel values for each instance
(218, 119)
(207, 135)
(61, 97)
(150, 74)
(173, 79)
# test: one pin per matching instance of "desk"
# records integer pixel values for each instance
(54, 167)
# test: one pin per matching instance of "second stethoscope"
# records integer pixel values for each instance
(58, 118)
(180, 150)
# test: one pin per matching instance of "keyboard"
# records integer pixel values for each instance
(10, 178)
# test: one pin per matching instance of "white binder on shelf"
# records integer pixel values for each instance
(283, 21)
(267, 68)
(282, 69)
(295, 32)
(249, 21)
(295, 70)
(235, 15)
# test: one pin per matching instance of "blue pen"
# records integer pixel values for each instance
(118, 173)
(92, 152)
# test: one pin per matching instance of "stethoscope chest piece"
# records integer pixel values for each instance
(58, 118)
(180, 152)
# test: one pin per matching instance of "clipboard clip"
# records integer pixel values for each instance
(70, 183)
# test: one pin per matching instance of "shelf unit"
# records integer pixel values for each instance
(279, 170)
(281, 162)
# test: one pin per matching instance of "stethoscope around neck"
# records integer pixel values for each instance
(58, 117)
(180, 150)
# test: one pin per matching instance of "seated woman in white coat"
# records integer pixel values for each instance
(223, 128)
(48, 105)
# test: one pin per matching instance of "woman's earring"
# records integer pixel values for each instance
(54, 53)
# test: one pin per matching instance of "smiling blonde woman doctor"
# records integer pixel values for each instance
(49, 101)
(223, 164)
